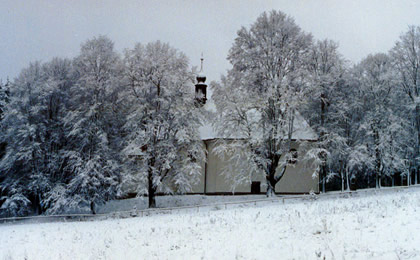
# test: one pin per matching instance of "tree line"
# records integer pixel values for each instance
(366, 115)
(78, 132)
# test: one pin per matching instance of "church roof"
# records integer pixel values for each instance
(302, 130)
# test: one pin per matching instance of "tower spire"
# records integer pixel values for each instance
(201, 86)
(201, 77)
(202, 59)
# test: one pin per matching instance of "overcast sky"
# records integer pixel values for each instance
(41, 29)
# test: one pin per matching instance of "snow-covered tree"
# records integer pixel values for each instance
(32, 126)
(348, 157)
(381, 129)
(406, 58)
(90, 159)
(326, 68)
(259, 98)
(4, 99)
(162, 121)
(4, 96)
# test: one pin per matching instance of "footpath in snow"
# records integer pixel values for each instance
(364, 225)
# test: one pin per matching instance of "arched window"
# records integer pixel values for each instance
(293, 155)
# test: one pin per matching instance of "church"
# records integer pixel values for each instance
(298, 179)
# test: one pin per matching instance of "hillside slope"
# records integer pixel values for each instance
(374, 225)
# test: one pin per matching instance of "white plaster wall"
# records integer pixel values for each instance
(199, 187)
(297, 178)
(217, 183)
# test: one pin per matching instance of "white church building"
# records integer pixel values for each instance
(298, 179)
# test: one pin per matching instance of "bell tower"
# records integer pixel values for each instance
(201, 86)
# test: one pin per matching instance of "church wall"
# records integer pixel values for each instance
(199, 187)
(297, 178)
(217, 183)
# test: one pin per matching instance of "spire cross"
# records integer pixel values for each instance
(201, 62)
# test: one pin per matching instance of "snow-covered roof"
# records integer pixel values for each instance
(302, 130)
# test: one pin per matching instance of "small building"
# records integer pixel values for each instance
(297, 179)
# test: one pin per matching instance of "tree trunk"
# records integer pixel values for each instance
(415, 177)
(418, 131)
(152, 198)
(377, 170)
(271, 177)
(342, 175)
(271, 186)
(92, 208)
(37, 203)
(409, 178)
(393, 180)
(377, 157)
(322, 139)
(151, 190)
(323, 178)
(380, 180)
(348, 180)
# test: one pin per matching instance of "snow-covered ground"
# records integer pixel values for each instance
(366, 225)
(173, 201)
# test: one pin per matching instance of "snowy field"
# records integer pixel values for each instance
(366, 225)
(173, 201)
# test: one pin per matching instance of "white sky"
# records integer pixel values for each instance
(41, 29)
